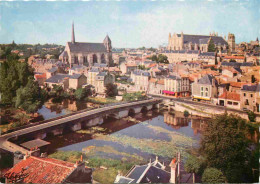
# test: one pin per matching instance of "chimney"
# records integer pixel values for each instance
(173, 165)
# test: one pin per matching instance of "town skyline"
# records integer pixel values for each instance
(128, 24)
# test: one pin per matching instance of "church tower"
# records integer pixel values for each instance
(72, 34)
(108, 44)
(231, 42)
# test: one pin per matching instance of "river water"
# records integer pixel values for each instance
(143, 137)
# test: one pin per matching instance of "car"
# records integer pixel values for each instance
(18, 154)
(245, 109)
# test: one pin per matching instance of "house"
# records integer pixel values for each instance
(91, 77)
(48, 170)
(140, 79)
(40, 78)
(77, 81)
(232, 72)
(78, 69)
(51, 72)
(101, 80)
(176, 86)
(205, 88)
(156, 86)
(249, 97)
(127, 68)
(153, 172)
(59, 79)
(230, 99)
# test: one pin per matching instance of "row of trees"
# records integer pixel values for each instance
(17, 85)
(160, 58)
(226, 153)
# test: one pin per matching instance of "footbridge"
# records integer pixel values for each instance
(76, 121)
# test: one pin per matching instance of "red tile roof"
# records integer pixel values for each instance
(234, 57)
(230, 96)
(40, 76)
(42, 170)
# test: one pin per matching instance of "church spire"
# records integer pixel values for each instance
(73, 35)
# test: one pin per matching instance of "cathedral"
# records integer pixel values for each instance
(81, 53)
(197, 42)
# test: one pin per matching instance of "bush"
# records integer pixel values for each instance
(186, 113)
(251, 116)
(213, 175)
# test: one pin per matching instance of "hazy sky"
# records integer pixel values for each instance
(128, 23)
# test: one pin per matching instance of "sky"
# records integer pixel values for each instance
(129, 24)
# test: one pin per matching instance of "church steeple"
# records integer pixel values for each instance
(108, 44)
(72, 34)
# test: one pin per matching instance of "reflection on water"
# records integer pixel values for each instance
(51, 110)
(160, 134)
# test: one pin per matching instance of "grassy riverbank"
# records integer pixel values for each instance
(105, 170)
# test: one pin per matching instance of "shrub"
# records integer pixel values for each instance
(213, 175)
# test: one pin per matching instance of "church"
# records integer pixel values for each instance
(87, 54)
(196, 42)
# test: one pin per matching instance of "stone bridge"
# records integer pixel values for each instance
(76, 121)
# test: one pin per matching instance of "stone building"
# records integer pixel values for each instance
(205, 88)
(194, 42)
(141, 80)
(81, 53)
(250, 98)
(101, 80)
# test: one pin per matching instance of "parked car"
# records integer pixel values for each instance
(18, 154)
(245, 109)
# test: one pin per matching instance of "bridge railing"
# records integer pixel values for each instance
(66, 115)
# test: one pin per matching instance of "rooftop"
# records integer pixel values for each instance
(41, 170)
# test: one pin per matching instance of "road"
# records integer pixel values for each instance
(5, 137)
(189, 101)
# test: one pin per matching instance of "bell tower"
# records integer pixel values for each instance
(231, 42)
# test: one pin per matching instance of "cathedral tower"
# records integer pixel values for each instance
(231, 42)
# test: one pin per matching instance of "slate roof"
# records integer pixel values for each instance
(57, 78)
(75, 76)
(196, 39)
(174, 77)
(64, 54)
(156, 175)
(141, 72)
(204, 41)
(102, 65)
(102, 74)
(234, 64)
(94, 69)
(207, 79)
(137, 172)
(183, 51)
(249, 88)
(53, 69)
(35, 143)
(86, 47)
(207, 54)
(42, 170)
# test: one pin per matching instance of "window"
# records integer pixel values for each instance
(229, 103)
(244, 94)
(206, 94)
(201, 88)
(251, 95)
(207, 89)
(201, 93)
(235, 103)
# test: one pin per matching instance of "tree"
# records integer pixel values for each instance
(163, 59)
(193, 165)
(111, 90)
(13, 75)
(251, 116)
(141, 67)
(225, 146)
(31, 97)
(211, 46)
(213, 175)
(81, 93)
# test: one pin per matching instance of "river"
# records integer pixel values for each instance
(156, 134)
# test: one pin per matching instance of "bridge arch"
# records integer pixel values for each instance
(131, 112)
(144, 109)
